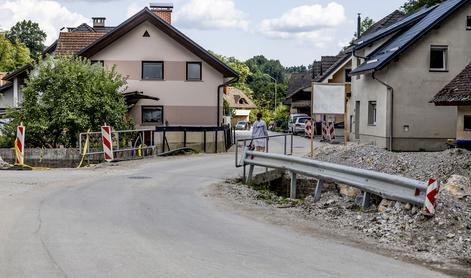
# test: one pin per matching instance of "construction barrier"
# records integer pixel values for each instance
(20, 145)
(107, 143)
(431, 197)
(328, 131)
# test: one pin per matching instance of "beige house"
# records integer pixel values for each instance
(240, 103)
(458, 93)
(399, 68)
(171, 80)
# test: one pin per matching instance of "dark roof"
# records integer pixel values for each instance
(146, 15)
(457, 92)
(333, 67)
(18, 72)
(386, 30)
(327, 62)
(316, 69)
(297, 82)
(84, 27)
(6, 86)
(73, 42)
(132, 98)
(380, 58)
(384, 22)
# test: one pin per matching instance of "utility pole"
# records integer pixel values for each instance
(276, 85)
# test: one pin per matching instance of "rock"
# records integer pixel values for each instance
(450, 235)
(385, 204)
(458, 186)
(407, 206)
(4, 165)
(349, 191)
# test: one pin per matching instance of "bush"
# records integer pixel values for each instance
(65, 96)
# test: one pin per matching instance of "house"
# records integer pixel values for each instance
(399, 68)
(458, 93)
(10, 91)
(240, 103)
(171, 80)
(299, 92)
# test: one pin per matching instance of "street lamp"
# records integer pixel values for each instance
(276, 85)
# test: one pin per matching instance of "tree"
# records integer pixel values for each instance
(413, 5)
(12, 55)
(30, 34)
(240, 68)
(66, 96)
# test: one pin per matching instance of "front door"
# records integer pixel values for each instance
(357, 120)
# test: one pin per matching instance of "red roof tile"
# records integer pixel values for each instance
(73, 42)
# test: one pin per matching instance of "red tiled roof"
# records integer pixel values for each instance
(73, 42)
(457, 92)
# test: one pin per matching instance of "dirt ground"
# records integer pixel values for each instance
(442, 242)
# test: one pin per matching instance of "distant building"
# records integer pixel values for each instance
(241, 104)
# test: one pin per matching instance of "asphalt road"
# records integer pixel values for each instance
(152, 219)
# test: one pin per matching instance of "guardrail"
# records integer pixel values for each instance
(370, 182)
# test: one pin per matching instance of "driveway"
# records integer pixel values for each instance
(152, 218)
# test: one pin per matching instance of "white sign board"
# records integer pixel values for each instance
(328, 98)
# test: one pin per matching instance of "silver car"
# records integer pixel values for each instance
(292, 120)
(300, 125)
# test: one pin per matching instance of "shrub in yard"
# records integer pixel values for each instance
(65, 96)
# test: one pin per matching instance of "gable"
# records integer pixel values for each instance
(134, 46)
(146, 15)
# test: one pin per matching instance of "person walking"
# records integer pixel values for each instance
(259, 130)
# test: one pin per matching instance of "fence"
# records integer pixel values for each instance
(387, 186)
(198, 138)
(127, 144)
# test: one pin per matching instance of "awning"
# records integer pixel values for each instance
(133, 97)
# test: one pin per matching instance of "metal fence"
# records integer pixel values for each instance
(132, 142)
(370, 182)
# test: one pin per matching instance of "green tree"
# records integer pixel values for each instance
(366, 23)
(12, 55)
(240, 68)
(413, 5)
(30, 34)
(66, 96)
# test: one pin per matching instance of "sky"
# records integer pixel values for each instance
(293, 31)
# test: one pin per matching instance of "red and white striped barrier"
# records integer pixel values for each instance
(107, 143)
(431, 197)
(328, 131)
(20, 145)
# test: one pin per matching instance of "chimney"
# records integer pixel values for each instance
(98, 21)
(162, 10)
(359, 26)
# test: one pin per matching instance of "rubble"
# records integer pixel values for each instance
(4, 165)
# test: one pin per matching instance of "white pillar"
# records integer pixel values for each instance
(15, 93)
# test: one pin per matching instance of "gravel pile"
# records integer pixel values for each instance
(417, 165)
(4, 165)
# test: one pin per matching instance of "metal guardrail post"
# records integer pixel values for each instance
(318, 192)
(284, 148)
(204, 141)
(292, 136)
(216, 141)
(184, 138)
(163, 141)
(292, 190)
(250, 177)
(365, 202)
(243, 161)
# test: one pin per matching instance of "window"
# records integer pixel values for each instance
(152, 114)
(101, 62)
(468, 23)
(153, 70)
(348, 78)
(438, 58)
(372, 113)
(467, 122)
(193, 71)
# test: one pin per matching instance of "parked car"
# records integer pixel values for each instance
(300, 124)
(292, 120)
(242, 125)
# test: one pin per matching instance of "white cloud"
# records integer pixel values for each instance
(211, 14)
(50, 15)
(307, 24)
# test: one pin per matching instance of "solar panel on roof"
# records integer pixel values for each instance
(388, 52)
(394, 27)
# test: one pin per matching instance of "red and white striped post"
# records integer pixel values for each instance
(20, 145)
(107, 143)
(324, 130)
(331, 131)
(431, 197)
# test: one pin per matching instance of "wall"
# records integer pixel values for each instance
(185, 102)
(460, 132)
(414, 86)
(6, 98)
